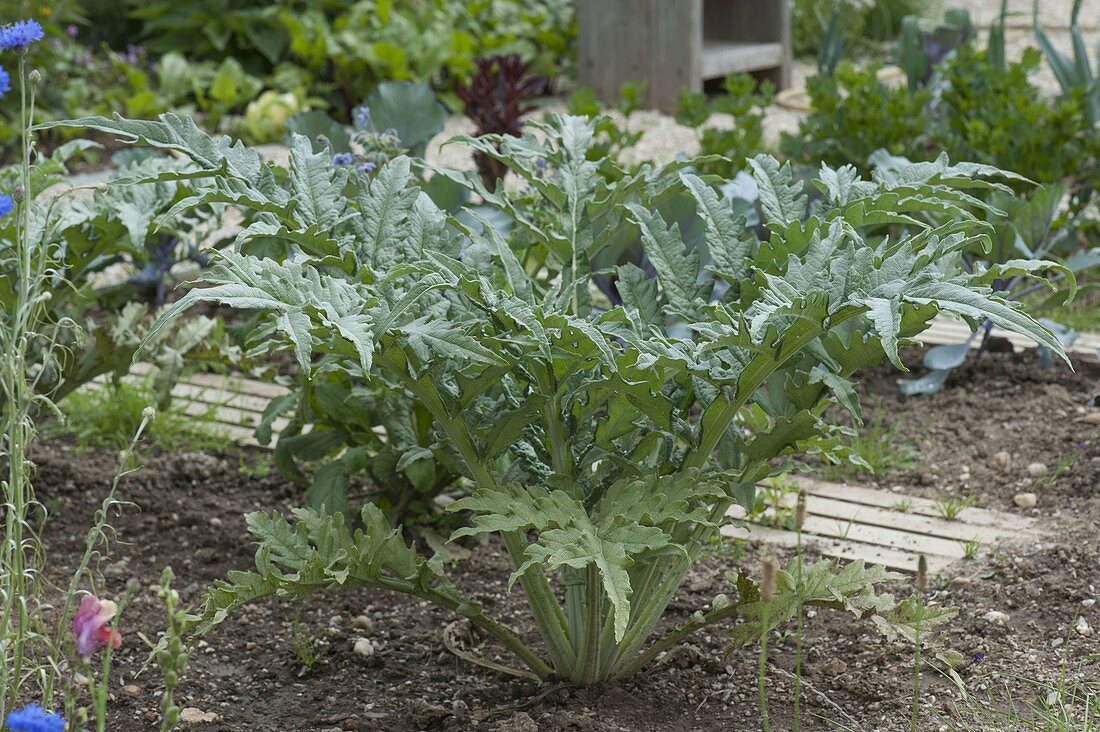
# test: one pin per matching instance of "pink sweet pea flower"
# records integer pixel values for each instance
(90, 626)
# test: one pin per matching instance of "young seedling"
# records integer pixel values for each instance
(971, 548)
(950, 508)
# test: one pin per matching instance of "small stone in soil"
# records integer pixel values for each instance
(1003, 459)
(363, 622)
(1083, 627)
(1037, 470)
(131, 690)
(191, 715)
(364, 648)
(1026, 500)
(995, 616)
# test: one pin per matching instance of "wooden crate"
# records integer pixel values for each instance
(673, 45)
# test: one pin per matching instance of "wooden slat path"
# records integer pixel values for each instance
(947, 329)
(235, 403)
(854, 522)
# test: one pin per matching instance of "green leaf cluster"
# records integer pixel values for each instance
(604, 427)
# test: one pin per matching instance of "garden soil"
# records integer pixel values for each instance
(185, 509)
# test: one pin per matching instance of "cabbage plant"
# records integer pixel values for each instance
(602, 449)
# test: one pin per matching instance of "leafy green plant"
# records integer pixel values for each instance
(921, 49)
(732, 144)
(612, 138)
(1075, 75)
(854, 114)
(877, 447)
(341, 50)
(126, 227)
(1049, 142)
(603, 450)
(1036, 227)
(949, 508)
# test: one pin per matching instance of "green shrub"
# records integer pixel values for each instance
(997, 116)
(854, 114)
(604, 443)
(732, 143)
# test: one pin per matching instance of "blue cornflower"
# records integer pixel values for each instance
(5, 82)
(6, 205)
(33, 718)
(366, 168)
(19, 35)
(341, 159)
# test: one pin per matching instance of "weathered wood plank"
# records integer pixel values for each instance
(721, 58)
(847, 549)
(920, 506)
(904, 521)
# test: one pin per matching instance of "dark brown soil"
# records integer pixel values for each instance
(188, 513)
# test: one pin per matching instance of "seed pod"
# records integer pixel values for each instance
(767, 579)
(922, 573)
(800, 510)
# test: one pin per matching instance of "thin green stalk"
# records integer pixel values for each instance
(19, 400)
(798, 632)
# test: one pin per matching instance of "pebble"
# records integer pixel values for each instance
(191, 715)
(1092, 416)
(961, 582)
(1003, 459)
(1026, 500)
(1037, 470)
(363, 622)
(131, 690)
(1057, 643)
(363, 647)
(1083, 626)
(995, 616)
(1088, 603)
(835, 667)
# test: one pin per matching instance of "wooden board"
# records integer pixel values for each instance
(947, 329)
(854, 522)
(721, 58)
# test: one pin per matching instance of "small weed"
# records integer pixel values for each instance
(304, 647)
(950, 508)
(776, 498)
(878, 445)
(1063, 465)
(971, 548)
(905, 505)
(105, 416)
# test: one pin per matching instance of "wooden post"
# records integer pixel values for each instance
(674, 45)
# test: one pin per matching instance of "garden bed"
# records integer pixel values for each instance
(248, 676)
